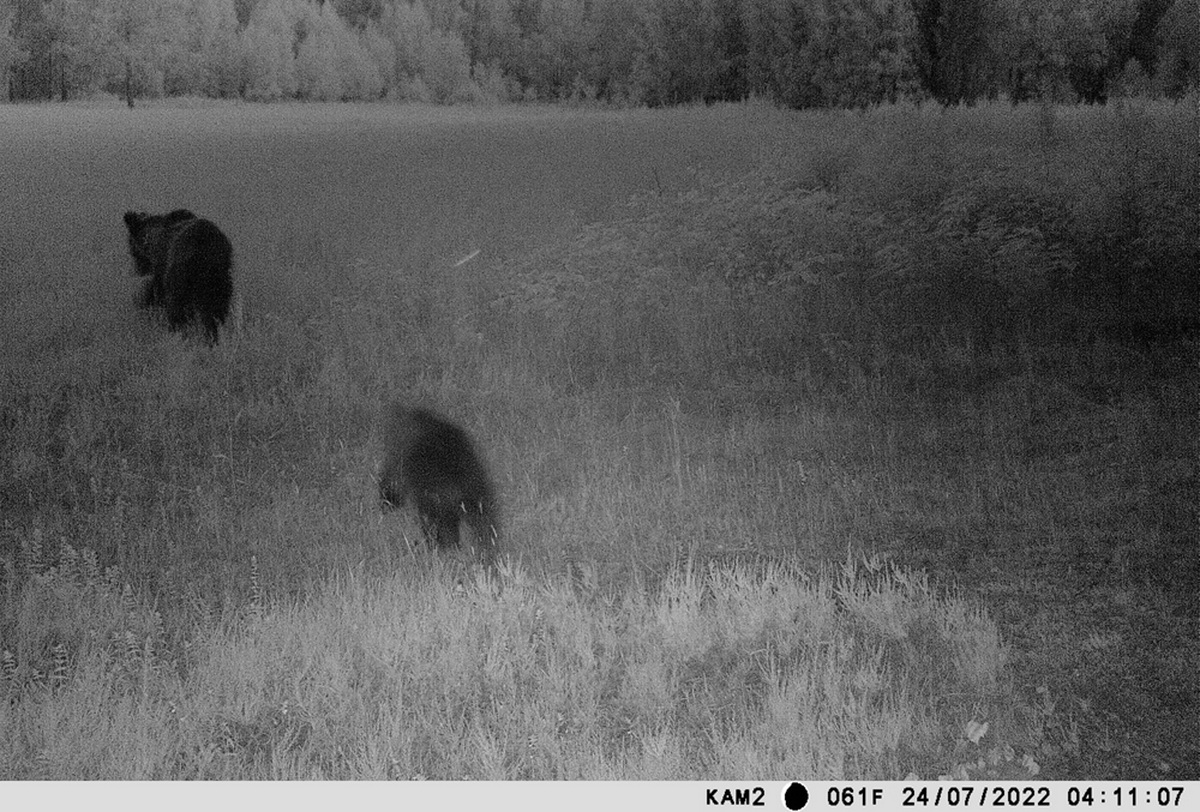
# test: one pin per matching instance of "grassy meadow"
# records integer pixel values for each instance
(838, 445)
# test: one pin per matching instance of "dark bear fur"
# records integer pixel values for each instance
(432, 466)
(189, 264)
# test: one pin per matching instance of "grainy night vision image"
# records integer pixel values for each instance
(525, 390)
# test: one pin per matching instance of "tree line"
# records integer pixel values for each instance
(798, 53)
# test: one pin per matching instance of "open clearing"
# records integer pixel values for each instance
(410, 189)
(790, 484)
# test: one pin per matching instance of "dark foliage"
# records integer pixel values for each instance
(189, 264)
(432, 466)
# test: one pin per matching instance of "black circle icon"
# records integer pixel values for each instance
(795, 796)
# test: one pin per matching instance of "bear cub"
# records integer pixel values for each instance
(432, 466)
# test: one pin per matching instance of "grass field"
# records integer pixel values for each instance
(839, 445)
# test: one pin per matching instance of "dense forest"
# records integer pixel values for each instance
(798, 53)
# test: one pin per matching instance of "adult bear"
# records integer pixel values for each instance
(432, 466)
(189, 264)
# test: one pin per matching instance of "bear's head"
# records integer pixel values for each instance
(149, 237)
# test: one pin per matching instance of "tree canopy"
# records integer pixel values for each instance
(799, 53)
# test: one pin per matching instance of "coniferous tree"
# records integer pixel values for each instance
(1177, 41)
(954, 56)
(332, 63)
(618, 36)
(11, 51)
(689, 49)
(731, 47)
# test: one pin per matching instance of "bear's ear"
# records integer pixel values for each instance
(133, 219)
(179, 215)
